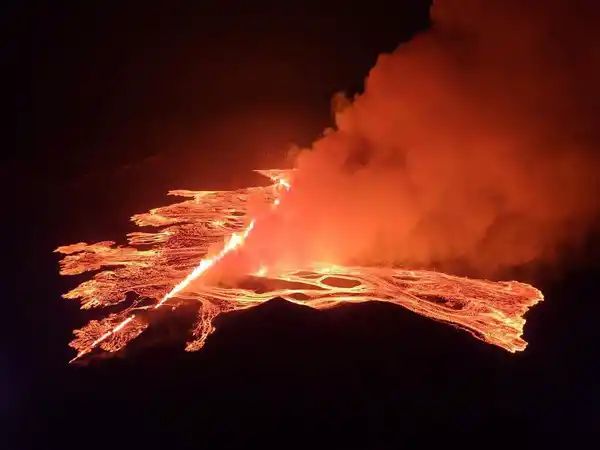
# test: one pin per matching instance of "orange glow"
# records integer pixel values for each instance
(491, 311)
(234, 241)
(261, 272)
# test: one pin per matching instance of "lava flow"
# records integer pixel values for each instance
(181, 251)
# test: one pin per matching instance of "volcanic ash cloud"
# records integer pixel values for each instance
(473, 146)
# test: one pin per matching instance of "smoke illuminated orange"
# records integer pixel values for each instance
(181, 251)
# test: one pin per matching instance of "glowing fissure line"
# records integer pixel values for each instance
(114, 330)
(234, 241)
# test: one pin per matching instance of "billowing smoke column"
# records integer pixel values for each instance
(471, 148)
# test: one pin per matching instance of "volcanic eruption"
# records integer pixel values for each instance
(469, 148)
(170, 271)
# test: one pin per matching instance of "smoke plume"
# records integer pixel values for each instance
(473, 145)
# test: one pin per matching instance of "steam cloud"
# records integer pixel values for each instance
(473, 145)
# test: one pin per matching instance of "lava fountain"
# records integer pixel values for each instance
(165, 268)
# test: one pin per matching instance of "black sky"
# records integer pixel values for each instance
(117, 102)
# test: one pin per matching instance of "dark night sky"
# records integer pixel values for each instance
(117, 102)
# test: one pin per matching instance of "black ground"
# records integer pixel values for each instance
(129, 101)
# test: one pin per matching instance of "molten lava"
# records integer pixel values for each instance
(182, 250)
